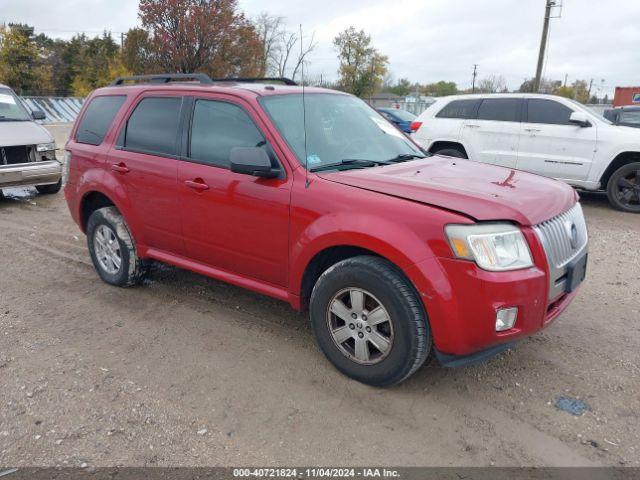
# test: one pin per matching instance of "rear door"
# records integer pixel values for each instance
(552, 146)
(145, 163)
(234, 222)
(493, 136)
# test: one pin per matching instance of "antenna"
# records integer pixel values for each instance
(304, 117)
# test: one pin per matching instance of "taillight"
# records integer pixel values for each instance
(415, 126)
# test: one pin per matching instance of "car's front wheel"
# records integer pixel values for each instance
(112, 248)
(623, 189)
(369, 321)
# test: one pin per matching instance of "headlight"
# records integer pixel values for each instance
(494, 247)
(46, 147)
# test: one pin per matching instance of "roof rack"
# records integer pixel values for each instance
(197, 77)
(163, 78)
(286, 81)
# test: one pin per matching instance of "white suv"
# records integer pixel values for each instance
(544, 134)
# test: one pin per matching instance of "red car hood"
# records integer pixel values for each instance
(483, 192)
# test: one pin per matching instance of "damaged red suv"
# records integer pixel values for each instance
(315, 199)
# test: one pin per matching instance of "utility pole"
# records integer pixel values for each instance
(566, 76)
(543, 41)
(589, 92)
(475, 74)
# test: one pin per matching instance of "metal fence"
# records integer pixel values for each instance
(56, 109)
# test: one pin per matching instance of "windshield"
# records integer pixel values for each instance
(339, 127)
(11, 107)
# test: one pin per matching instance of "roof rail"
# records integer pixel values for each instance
(286, 81)
(163, 78)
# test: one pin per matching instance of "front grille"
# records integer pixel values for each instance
(564, 238)
(14, 155)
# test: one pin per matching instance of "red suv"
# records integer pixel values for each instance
(311, 197)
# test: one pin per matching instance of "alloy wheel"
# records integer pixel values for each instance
(107, 249)
(360, 326)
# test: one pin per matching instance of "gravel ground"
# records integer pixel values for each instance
(185, 370)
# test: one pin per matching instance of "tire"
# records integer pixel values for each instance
(407, 332)
(49, 189)
(623, 188)
(107, 226)
(450, 152)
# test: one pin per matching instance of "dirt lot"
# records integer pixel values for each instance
(189, 371)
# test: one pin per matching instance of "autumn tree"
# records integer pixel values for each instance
(21, 63)
(362, 67)
(492, 84)
(210, 36)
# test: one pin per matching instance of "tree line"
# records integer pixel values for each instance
(213, 37)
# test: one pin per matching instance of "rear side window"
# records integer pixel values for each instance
(97, 118)
(217, 127)
(459, 109)
(153, 126)
(500, 109)
(547, 111)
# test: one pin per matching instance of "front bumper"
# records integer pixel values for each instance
(27, 174)
(461, 301)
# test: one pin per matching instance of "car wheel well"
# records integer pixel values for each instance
(92, 202)
(619, 161)
(442, 145)
(322, 261)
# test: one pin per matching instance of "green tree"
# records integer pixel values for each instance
(440, 89)
(564, 91)
(362, 67)
(401, 88)
(21, 66)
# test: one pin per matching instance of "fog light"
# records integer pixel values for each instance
(506, 318)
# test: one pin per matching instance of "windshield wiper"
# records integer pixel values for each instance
(350, 163)
(405, 157)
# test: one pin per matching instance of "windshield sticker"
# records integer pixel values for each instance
(4, 98)
(386, 127)
(313, 159)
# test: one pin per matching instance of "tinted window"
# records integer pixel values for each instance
(547, 111)
(153, 126)
(631, 118)
(500, 109)
(218, 127)
(459, 109)
(97, 118)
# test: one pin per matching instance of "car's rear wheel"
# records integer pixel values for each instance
(451, 152)
(369, 321)
(49, 189)
(112, 248)
(623, 189)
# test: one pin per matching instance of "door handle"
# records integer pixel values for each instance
(197, 184)
(120, 168)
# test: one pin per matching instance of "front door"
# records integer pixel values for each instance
(552, 146)
(234, 222)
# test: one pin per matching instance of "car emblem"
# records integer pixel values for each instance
(572, 232)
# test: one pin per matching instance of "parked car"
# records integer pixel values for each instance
(543, 134)
(328, 207)
(626, 116)
(402, 119)
(27, 150)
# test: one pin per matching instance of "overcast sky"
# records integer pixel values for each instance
(425, 40)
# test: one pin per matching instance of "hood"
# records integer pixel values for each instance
(23, 133)
(483, 192)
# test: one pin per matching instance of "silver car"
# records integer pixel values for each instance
(27, 150)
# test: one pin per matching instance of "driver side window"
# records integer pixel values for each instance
(216, 128)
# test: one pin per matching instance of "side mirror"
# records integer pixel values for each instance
(580, 119)
(252, 161)
(38, 115)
